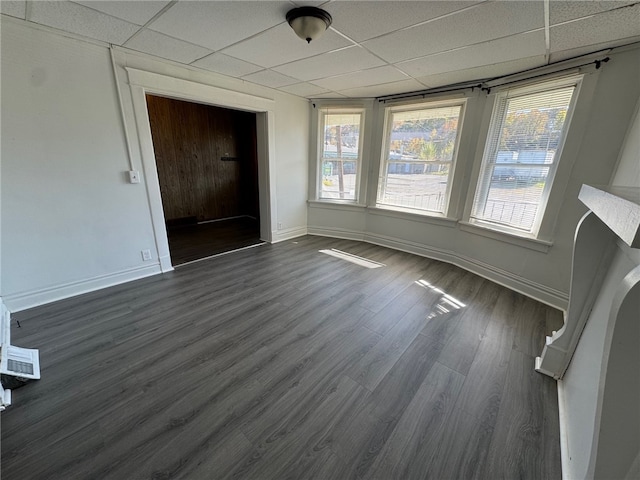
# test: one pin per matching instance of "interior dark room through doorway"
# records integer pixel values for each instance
(207, 164)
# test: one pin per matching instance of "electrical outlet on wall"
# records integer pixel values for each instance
(280, 227)
(146, 255)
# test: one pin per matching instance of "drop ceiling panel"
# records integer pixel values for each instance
(281, 45)
(304, 90)
(270, 78)
(218, 24)
(14, 9)
(220, 63)
(329, 95)
(563, 11)
(576, 52)
(437, 42)
(364, 20)
(134, 12)
(333, 63)
(155, 43)
(81, 20)
(483, 72)
(488, 53)
(386, 89)
(363, 78)
(497, 19)
(608, 26)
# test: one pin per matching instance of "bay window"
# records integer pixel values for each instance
(418, 157)
(525, 138)
(340, 153)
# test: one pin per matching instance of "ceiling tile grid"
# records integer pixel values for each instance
(13, 9)
(137, 12)
(350, 59)
(403, 86)
(564, 11)
(487, 53)
(363, 78)
(483, 72)
(304, 89)
(78, 19)
(163, 46)
(269, 78)
(606, 26)
(483, 22)
(373, 48)
(216, 25)
(226, 65)
(364, 20)
(276, 46)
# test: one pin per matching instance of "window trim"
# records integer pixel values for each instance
(449, 101)
(324, 110)
(504, 94)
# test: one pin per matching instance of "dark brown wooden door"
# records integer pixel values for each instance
(206, 159)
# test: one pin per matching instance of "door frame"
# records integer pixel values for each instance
(142, 82)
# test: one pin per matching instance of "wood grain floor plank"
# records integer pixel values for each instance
(459, 352)
(411, 448)
(291, 446)
(461, 448)
(517, 445)
(358, 441)
(217, 459)
(238, 367)
(373, 367)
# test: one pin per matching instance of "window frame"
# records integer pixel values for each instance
(384, 152)
(499, 103)
(322, 112)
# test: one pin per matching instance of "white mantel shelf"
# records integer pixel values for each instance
(616, 207)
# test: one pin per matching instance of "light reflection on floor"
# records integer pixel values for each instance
(446, 304)
(363, 262)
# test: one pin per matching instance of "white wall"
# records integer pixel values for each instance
(628, 172)
(581, 389)
(602, 115)
(70, 221)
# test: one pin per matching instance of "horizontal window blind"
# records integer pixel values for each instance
(340, 154)
(526, 132)
(420, 150)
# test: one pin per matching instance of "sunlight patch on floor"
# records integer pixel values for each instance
(363, 262)
(446, 304)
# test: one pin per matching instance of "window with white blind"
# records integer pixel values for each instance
(340, 153)
(526, 134)
(421, 144)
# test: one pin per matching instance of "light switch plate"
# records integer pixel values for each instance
(134, 176)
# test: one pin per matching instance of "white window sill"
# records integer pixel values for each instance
(344, 205)
(531, 243)
(413, 215)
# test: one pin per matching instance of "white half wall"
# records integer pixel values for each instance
(582, 388)
(70, 221)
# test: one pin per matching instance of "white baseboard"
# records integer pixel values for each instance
(24, 300)
(336, 233)
(537, 291)
(564, 439)
(287, 234)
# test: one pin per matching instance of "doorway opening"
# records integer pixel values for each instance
(207, 164)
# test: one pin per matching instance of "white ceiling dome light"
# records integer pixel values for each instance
(309, 23)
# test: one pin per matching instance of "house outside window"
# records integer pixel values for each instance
(421, 144)
(340, 153)
(526, 135)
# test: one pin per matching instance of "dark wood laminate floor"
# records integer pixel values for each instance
(282, 362)
(193, 242)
